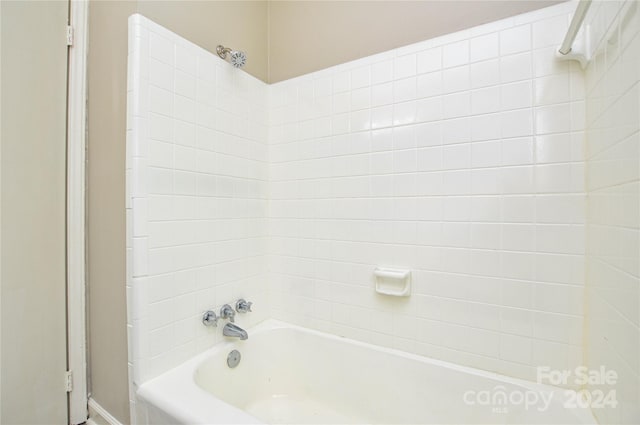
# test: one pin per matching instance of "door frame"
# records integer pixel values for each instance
(76, 211)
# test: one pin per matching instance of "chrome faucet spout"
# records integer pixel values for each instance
(234, 331)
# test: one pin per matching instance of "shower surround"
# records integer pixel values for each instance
(461, 158)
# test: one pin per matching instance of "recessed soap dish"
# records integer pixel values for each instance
(394, 282)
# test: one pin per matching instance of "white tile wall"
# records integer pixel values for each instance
(460, 158)
(613, 182)
(197, 196)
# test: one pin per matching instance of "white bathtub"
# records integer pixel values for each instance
(290, 374)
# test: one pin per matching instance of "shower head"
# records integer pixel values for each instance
(237, 58)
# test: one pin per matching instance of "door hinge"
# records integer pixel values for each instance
(69, 35)
(68, 381)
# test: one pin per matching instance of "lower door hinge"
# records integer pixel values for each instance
(69, 35)
(68, 378)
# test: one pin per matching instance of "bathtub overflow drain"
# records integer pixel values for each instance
(233, 358)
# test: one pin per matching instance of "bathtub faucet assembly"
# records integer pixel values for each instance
(209, 318)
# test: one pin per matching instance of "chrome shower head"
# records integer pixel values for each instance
(237, 58)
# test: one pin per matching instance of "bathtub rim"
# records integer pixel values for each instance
(184, 400)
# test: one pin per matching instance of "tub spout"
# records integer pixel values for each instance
(235, 331)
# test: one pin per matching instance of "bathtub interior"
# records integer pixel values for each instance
(288, 375)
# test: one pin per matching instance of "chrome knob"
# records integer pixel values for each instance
(243, 306)
(226, 312)
(209, 318)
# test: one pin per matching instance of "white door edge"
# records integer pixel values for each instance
(76, 258)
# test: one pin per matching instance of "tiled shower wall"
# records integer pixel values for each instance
(460, 158)
(613, 183)
(197, 196)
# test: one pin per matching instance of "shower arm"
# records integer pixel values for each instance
(222, 51)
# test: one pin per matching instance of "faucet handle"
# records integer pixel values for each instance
(209, 318)
(226, 312)
(243, 306)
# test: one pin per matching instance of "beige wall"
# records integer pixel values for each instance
(305, 36)
(33, 212)
(107, 314)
